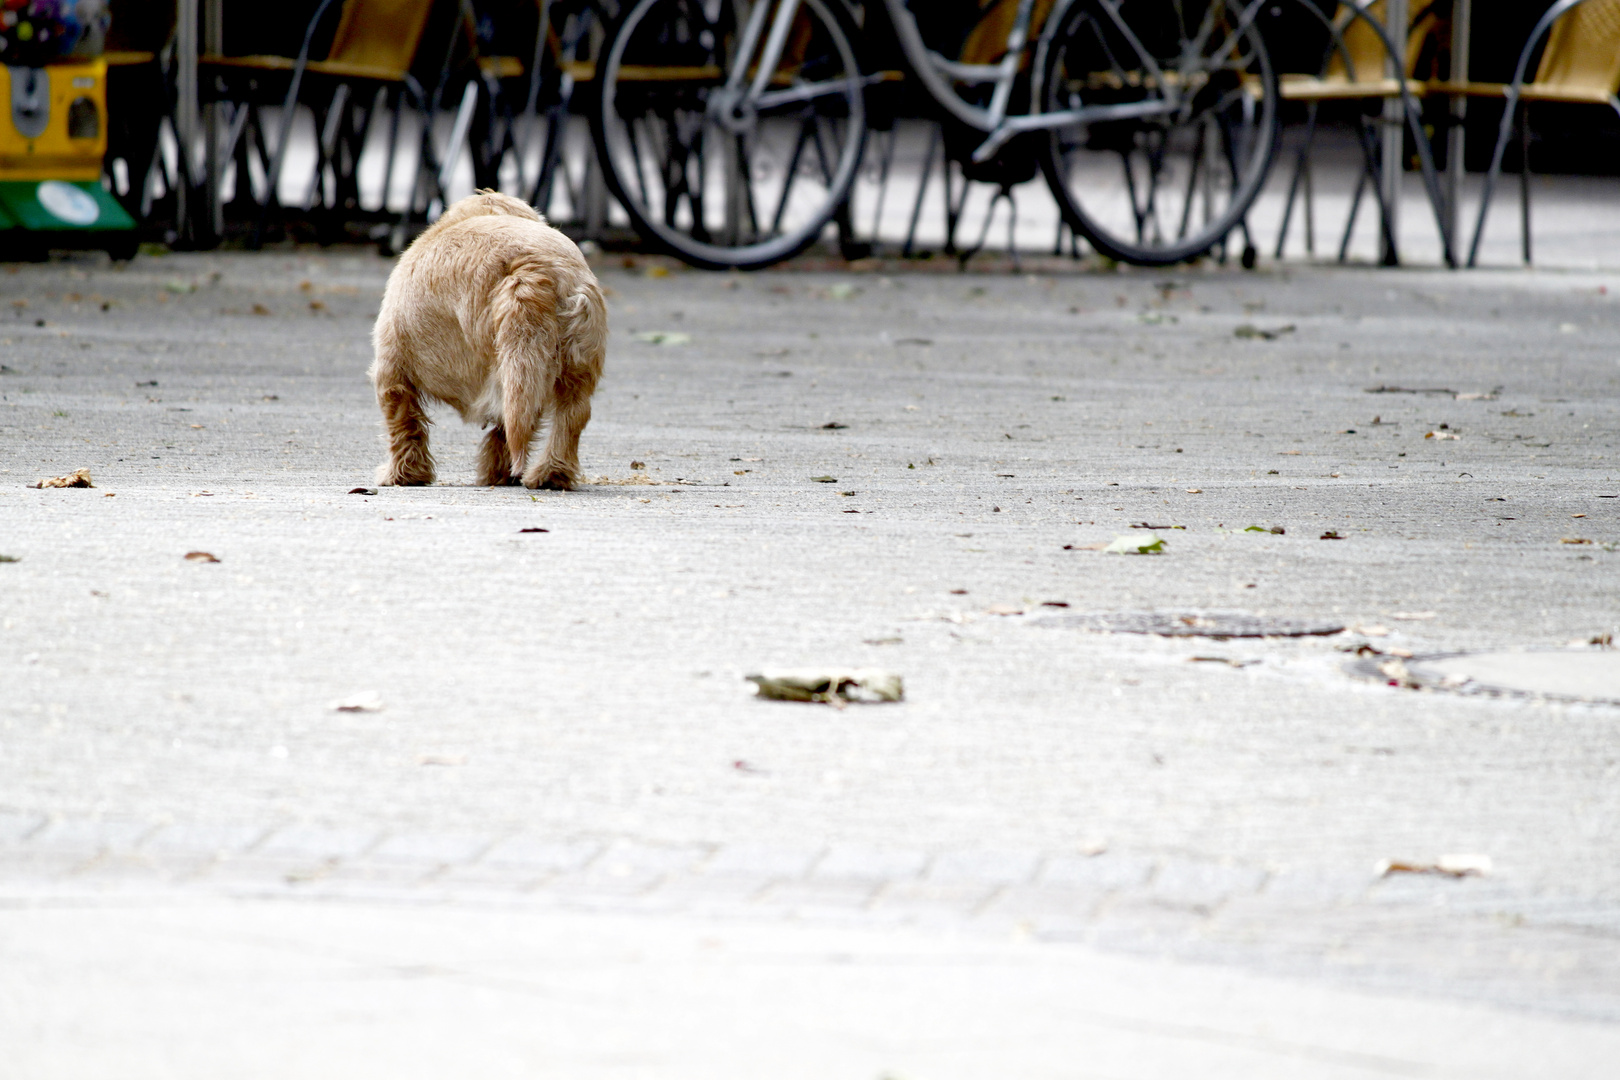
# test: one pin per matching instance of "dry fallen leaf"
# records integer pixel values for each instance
(1456, 865)
(260, 309)
(78, 478)
(200, 556)
(831, 687)
(1565, 540)
(365, 701)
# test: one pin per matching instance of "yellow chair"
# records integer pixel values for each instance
(1356, 69)
(1579, 66)
(374, 47)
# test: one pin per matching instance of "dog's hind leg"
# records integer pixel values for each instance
(409, 460)
(494, 460)
(582, 345)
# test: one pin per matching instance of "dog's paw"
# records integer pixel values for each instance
(552, 480)
(389, 476)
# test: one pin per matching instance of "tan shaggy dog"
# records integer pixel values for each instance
(495, 313)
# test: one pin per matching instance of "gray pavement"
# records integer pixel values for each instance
(568, 773)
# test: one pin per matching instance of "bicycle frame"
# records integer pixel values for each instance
(999, 127)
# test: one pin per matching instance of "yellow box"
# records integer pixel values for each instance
(54, 125)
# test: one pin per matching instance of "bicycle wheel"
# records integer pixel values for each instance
(1175, 123)
(714, 164)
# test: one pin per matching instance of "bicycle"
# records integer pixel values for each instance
(711, 111)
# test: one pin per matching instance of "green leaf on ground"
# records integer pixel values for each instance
(663, 337)
(1151, 544)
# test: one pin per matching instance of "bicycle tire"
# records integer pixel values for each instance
(674, 210)
(1085, 58)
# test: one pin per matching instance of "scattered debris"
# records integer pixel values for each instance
(842, 291)
(1004, 609)
(200, 556)
(884, 641)
(1101, 545)
(1398, 674)
(1330, 535)
(638, 466)
(1460, 865)
(362, 491)
(436, 759)
(639, 480)
(833, 425)
(10, 558)
(1219, 625)
(365, 701)
(663, 337)
(1195, 491)
(1409, 390)
(78, 478)
(1442, 435)
(1275, 530)
(1413, 616)
(832, 687)
(1250, 332)
(260, 309)
(534, 529)
(1151, 544)
(824, 479)
(1565, 540)
(1227, 660)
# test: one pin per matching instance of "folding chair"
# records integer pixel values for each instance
(1355, 69)
(140, 95)
(1579, 66)
(374, 48)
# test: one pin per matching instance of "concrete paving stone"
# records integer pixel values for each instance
(15, 828)
(1202, 884)
(254, 871)
(853, 861)
(533, 854)
(90, 837)
(775, 862)
(705, 893)
(818, 897)
(1136, 925)
(432, 849)
(624, 859)
(986, 865)
(317, 842)
(1320, 887)
(961, 899)
(203, 840)
(1037, 903)
(37, 866)
(1103, 872)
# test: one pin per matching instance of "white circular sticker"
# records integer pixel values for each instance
(67, 203)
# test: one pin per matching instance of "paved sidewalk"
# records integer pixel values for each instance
(566, 744)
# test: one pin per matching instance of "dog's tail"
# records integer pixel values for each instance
(582, 320)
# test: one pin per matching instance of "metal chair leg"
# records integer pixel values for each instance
(1524, 184)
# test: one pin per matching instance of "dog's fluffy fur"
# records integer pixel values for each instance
(495, 313)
